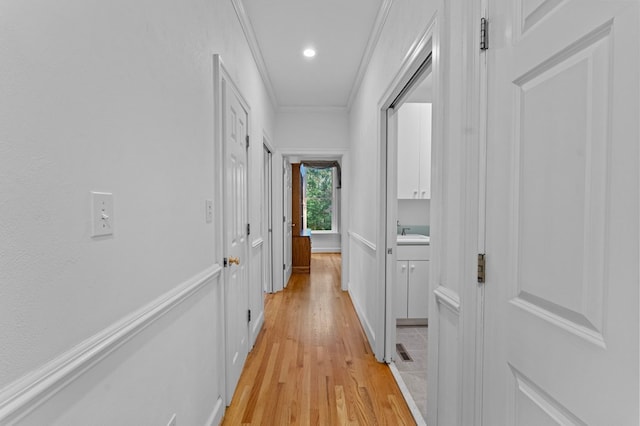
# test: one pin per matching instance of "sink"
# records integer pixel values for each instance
(413, 239)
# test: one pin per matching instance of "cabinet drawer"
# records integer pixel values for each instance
(416, 252)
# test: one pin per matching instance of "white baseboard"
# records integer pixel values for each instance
(257, 326)
(326, 250)
(21, 397)
(413, 407)
(217, 414)
(368, 330)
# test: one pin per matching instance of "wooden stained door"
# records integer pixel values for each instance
(296, 199)
(561, 296)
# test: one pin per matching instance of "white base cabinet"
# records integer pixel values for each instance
(412, 289)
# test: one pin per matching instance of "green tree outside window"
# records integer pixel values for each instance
(319, 198)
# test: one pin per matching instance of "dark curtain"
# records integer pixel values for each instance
(323, 164)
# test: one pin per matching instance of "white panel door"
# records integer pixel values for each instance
(267, 220)
(236, 244)
(561, 296)
(288, 223)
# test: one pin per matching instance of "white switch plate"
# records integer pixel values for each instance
(101, 214)
(208, 213)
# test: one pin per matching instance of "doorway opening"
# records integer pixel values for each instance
(406, 117)
(312, 198)
(413, 195)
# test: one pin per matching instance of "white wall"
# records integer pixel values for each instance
(325, 243)
(405, 22)
(321, 133)
(316, 129)
(414, 212)
(115, 96)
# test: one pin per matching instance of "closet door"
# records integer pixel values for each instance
(561, 294)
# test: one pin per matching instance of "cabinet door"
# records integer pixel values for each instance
(401, 289)
(424, 150)
(418, 289)
(408, 154)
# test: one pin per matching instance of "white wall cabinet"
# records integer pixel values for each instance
(412, 289)
(414, 151)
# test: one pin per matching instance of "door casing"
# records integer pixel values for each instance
(224, 82)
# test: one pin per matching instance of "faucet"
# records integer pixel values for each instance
(404, 231)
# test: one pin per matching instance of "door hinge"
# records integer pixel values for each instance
(284, 267)
(226, 262)
(481, 267)
(249, 315)
(484, 34)
(247, 141)
(248, 229)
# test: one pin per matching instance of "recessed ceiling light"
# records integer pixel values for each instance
(309, 52)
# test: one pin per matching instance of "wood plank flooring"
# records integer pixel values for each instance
(312, 364)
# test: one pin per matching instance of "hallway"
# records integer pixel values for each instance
(312, 363)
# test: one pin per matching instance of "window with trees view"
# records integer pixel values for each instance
(319, 200)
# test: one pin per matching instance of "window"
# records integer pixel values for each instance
(319, 199)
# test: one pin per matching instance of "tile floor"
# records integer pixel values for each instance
(414, 373)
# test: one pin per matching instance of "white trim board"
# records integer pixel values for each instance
(326, 250)
(362, 240)
(364, 321)
(413, 407)
(24, 395)
(311, 109)
(252, 41)
(216, 414)
(374, 37)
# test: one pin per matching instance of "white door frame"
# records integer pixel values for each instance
(268, 216)
(460, 310)
(221, 77)
(387, 231)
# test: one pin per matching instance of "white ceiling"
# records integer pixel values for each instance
(339, 30)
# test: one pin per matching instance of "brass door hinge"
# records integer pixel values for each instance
(484, 34)
(481, 268)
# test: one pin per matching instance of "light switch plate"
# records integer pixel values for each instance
(101, 214)
(208, 213)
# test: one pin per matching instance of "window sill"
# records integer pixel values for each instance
(324, 232)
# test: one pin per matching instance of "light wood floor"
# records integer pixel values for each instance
(312, 364)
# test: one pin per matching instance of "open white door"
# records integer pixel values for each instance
(286, 230)
(234, 130)
(561, 294)
(267, 219)
(391, 290)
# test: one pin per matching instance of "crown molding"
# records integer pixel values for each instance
(252, 41)
(310, 109)
(374, 37)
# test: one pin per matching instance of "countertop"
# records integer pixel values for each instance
(413, 239)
